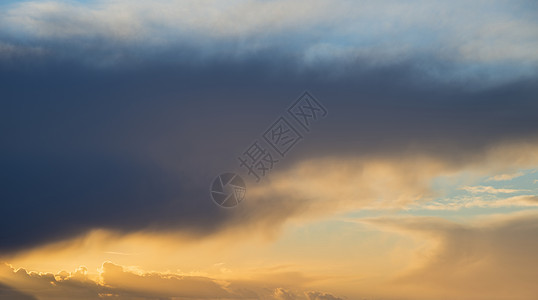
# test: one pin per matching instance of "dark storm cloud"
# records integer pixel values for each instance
(122, 123)
(129, 148)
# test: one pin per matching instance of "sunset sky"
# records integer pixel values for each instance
(419, 183)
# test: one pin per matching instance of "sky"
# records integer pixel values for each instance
(415, 177)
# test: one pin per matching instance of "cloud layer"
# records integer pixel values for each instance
(474, 39)
(115, 282)
(118, 114)
(136, 148)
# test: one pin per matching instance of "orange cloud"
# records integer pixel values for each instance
(115, 282)
(493, 258)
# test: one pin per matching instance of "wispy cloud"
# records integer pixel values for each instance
(489, 190)
(492, 253)
(505, 177)
(470, 202)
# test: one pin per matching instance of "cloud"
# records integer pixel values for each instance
(114, 282)
(321, 296)
(130, 31)
(488, 189)
(142, 167)
(504, 177)
(162, 285)
(134, 146)
(472, 261)
(521, 201)
(116, 115)
(283, 294)
(391, 182)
